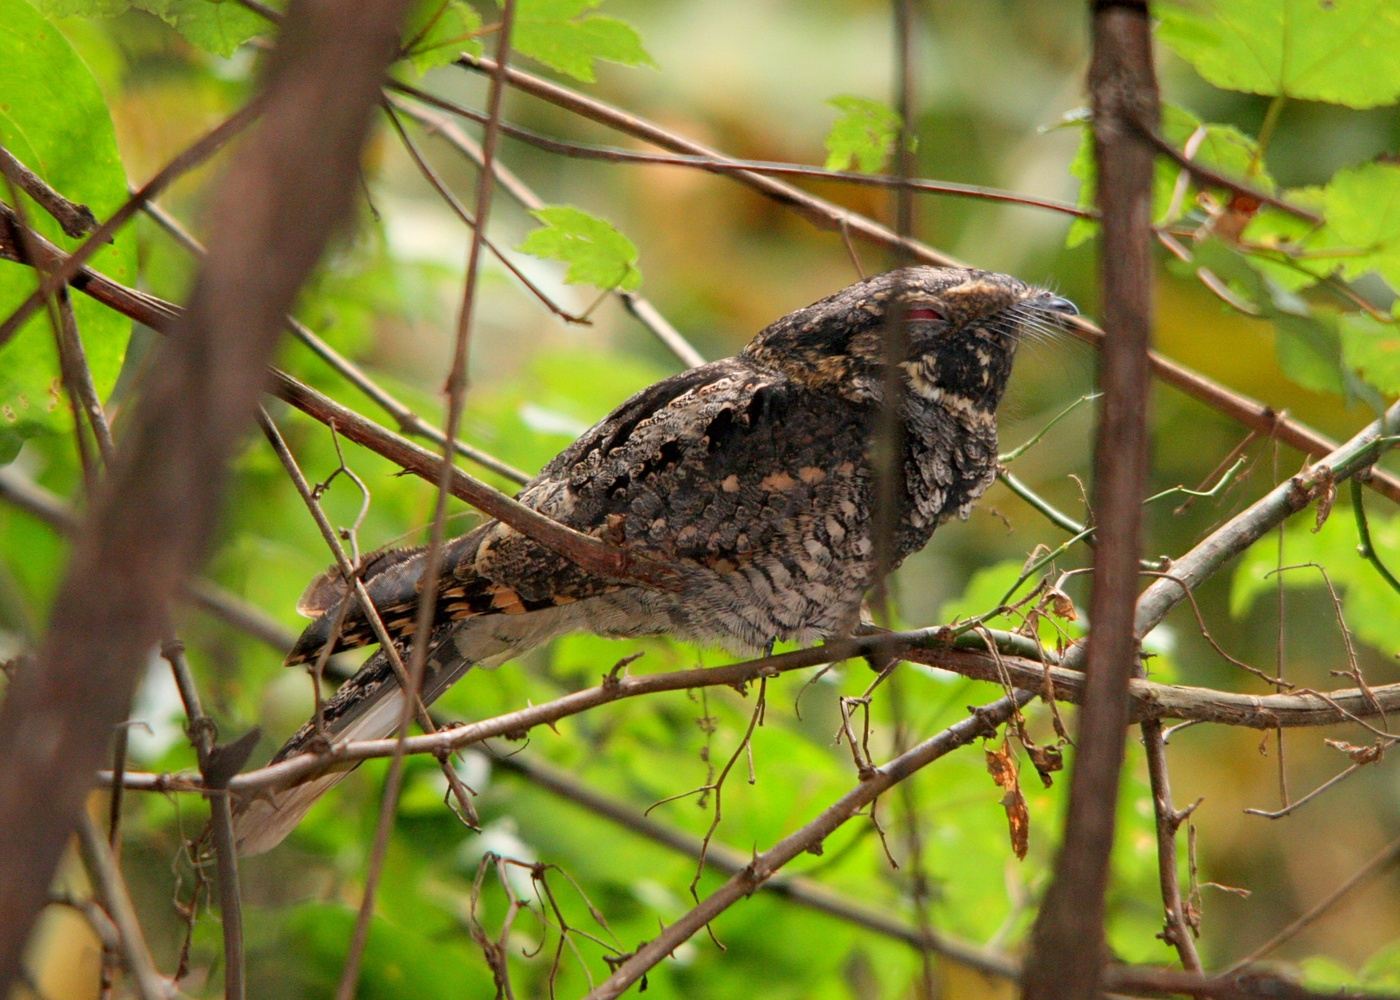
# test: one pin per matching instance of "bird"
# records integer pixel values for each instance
(751, 479)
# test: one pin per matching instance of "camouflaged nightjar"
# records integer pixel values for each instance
(749, 477)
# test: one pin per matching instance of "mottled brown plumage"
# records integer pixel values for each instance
(750, 477)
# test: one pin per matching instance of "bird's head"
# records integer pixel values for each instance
(959, 329)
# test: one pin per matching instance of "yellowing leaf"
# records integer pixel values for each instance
(1002, 767)
(1342, 51)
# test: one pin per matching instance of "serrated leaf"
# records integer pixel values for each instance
(439, 30)
(218, 26)
(597, 254)
(1362, 206)
(1341, 51)
(865, 134)
(53, 118)
(1372, 349)
(564, 36)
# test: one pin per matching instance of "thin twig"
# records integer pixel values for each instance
(1180, 929)
(111, 889)
(716, 163)
(433, 561)
(202, 734)
(75, 219)
(641, 308)
(764, 866)
(1387, 856)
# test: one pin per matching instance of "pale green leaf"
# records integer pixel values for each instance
(218, 26)
(597, 254)
(564, 36)
(53, 117)
(1342, 51)
(865, 134)
(1363, 213)
(1372, 350)
(439, 30)
(1309, 350)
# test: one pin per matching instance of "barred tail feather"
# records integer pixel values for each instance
(262, 822)
(367, 707)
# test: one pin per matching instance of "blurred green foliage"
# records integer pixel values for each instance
(80, 81)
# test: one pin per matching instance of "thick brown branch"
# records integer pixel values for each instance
(148, 527)
(1067, 950)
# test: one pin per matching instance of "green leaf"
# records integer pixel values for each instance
(1296, 252)
(564, 36)
(439, 30)
(597, 254)
(1223, 148)
(1361, 234)
(218, 26)
(1341, 51)
(865, 134)
(1369, 604)
(1309, 350)
(1362, 206)
(53, 117)
(1372, 349)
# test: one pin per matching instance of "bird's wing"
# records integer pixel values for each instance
(655, 446)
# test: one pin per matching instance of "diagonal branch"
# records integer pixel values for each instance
(764, 866)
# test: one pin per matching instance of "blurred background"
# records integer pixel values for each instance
(998, 86)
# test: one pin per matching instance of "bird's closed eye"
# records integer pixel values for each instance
(924, 313)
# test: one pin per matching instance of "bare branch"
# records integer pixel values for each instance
(75, 219)
(111, 889)
(765, 865)
(1067, 951)
(157, 507)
